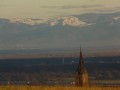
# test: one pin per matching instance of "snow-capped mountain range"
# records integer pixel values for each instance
(90, 30)
(70, 20)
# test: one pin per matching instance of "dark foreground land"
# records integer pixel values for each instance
(55, 71)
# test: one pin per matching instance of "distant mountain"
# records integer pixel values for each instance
(70, 21)
(89, 30)
(28, 21)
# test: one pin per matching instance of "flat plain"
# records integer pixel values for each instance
(22, 87)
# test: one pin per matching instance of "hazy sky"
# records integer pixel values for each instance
(54, 8)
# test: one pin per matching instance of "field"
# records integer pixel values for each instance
(20, 87)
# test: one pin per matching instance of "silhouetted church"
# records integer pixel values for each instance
(81, 73)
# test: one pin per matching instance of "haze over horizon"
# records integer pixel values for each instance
(54, 8)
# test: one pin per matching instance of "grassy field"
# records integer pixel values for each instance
(15, 87)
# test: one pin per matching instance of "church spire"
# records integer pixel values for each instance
(81, 73)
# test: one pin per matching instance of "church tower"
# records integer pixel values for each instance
(81, 73)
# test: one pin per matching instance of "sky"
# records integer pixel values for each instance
(54, 8)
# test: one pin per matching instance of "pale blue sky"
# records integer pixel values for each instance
(54, 8)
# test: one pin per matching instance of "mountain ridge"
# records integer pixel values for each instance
(89, 30)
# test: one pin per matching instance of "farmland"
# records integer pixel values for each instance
(22, 87)
(48, 71)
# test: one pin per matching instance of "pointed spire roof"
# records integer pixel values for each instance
(81, 72)
(81, 63)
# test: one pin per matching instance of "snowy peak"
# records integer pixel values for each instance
(73, 21)
(116, 18)
(70, 21)
(28, 21)
(54, 23)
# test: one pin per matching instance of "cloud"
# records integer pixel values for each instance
(50, 7)
(85, 8)
(73, 6)
(117, 7)
(103, 9)
(91, 6)
(81, 6)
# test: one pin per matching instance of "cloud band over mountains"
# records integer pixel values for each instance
(54, 8)
(73, 6)
(85, 8)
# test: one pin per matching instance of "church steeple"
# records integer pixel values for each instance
(81, 72)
